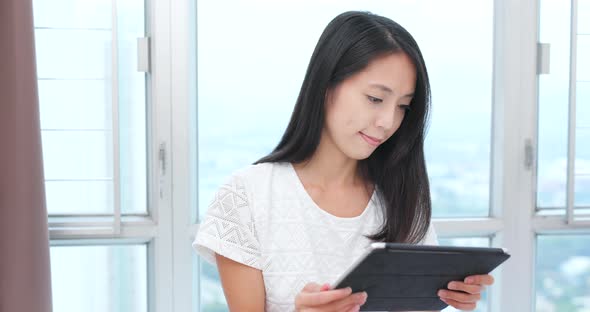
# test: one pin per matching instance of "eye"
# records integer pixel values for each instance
(406, 108)
(374, 100)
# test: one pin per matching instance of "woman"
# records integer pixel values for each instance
(349, 171)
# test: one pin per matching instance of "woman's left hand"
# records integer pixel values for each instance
(465, 295)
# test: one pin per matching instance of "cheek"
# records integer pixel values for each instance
(345, 118)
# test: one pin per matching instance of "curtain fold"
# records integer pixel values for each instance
(25, 278)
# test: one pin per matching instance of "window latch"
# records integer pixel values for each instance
(529, 154)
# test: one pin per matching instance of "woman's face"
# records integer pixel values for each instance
(367, 108)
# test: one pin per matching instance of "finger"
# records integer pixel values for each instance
(480, 279)
(471, 289)
(324, 297)
(311, 287)
(345, 303)
(355, 308)
(460, 305)
(459, 296)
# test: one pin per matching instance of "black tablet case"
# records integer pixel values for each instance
(403, 277)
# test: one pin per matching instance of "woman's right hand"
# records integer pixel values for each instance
(317, 298)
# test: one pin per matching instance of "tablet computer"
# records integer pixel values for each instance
(405, 277)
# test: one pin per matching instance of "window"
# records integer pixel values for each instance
(563, 172)
(458, 160)
(257, 109)
(93, 106)
(134, 99)
(567, 85)
(108, 251)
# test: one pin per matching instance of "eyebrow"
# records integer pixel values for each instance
(388, 90)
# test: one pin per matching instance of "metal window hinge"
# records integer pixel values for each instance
(143, 55)
(529, 154)
(543, 57)
(162, 160)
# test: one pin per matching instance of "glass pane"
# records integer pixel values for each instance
(553, 105)
(85, 197)
(84, 99)
(75, 155)
(582, 190)
(132, 108)
(211, 294)
(74, 42)
(563, 273)
(582, 168)
(73, 53)
(583, 104)
(469, 242)
(99, 278)
(582, 151)
(583, 58)
(458, 160)
(72, 14)
(584, 17)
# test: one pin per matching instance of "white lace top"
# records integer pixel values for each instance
(264, 218)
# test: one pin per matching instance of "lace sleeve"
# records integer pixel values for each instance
(229, 229)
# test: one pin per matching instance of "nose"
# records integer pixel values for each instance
(386, 119)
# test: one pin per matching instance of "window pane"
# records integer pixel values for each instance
(584, 17)
(211, 294)
(458, 160)
(553, 105)
(563, 273)
(553, 109)
(75, 154)
(132, 107)
(73, 53)
(85, 99)
(72, 13)
(583, 58)
(79, 196)
(265, 82)
(99, 278)
(74, 42)
(583, 104)
(469, 242)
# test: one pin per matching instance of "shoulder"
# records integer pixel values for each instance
(260, 176)
(258, 170)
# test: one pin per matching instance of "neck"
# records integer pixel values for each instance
(329, 168)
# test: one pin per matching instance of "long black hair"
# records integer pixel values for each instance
(397, 167)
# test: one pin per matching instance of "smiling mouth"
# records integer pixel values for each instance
(371, 140)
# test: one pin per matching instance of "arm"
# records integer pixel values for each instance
(243, 286)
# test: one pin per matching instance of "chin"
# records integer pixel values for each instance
(359, 155)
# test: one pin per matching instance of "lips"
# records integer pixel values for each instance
(371, 140)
